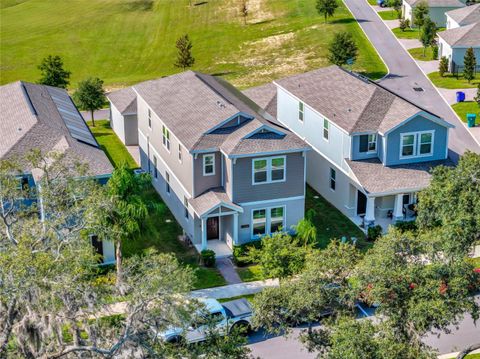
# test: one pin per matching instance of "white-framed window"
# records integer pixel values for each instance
(267, 221)
(166, 138)
(167, 182)
(149, 119)
(333, 179)
(209, 165)
(372, 143)
(276, 219)
(180, 153)
(301, 111)
(416, 144)
(268, 170)
(259, 222)
(185, 204)
(326, 129)
(155, 172)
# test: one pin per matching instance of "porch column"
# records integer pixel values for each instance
(398, 209)
(370, 212)
(204, 234)
(235, 229)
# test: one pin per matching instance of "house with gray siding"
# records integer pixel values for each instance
(453, 45)
(463, 16)
(372, 150)
(45, 118)
(123, 115)
(437, 9)
(229, 172)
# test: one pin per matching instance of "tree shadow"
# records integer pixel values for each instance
(343, 21)
(223, 73)
(266, 21)
(200, 3)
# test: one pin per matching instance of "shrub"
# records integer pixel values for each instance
(240, 253)
(443, 66)
(208, 257)
(403, 24)
(374, 232)
(434, 52)
(403, 226)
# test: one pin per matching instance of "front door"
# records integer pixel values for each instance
(212, 228)
(361, 203)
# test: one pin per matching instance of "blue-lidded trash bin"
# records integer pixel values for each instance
(471, 117)
(460, 96)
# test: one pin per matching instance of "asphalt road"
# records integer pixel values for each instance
(280, 347)
(405, 75)
(98, 115)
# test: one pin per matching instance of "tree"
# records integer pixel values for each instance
(443, 66)
(470, 64)
(477, 96)
(306, 230)
(428, 34)
(327, 8)
(420, 13)
(90, 95)
(244, 11)
(342, 49)
(397, 6)
(403, 24)
(184, 55)
(53, 73)
(126, 209)
(280, 256)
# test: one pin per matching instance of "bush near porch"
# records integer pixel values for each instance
(330, 224)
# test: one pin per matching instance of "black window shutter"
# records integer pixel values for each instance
(363, 143)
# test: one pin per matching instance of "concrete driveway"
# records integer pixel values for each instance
(405, 75)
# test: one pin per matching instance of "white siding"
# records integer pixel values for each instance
(117, 122)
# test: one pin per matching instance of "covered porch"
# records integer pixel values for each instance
(217, 222)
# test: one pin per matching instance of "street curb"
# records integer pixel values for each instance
(423, 72)
(454, 355)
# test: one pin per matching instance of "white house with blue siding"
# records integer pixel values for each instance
(372, 150)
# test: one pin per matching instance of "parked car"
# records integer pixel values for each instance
(382, 3)
(224, 317)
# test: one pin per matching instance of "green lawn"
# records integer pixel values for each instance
(388, 15)
(250, 273)
(127, 41)
(111, 144)
(417, 53)
(462, 108)
(471, 356)
(410, 33)
(371, 2)
(448, 81)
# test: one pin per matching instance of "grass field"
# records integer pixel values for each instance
(126, 41)
(417, 53)
(388, 15)
(462, 108)
(410, 33)
(448, 81)
(111, 144)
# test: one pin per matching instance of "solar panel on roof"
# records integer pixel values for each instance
(73, 120)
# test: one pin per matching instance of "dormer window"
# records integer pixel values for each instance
(209, 165)
(368, 143)
(301, 112)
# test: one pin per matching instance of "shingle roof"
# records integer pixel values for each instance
(125, 100)
(265, 96)
(30, 119)
(437, 3)
(464, 36)
(354, 103)
(205, 202)
(377, 178)
(466, 16)
(192, 104)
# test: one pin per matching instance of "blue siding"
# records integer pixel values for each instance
(357, 155)
(417, 124)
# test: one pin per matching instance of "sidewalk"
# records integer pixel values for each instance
(454, 355)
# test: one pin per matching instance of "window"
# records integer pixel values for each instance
(333, 179)
(259, 223)
(180, 153)
(185, 203)
(155, 172)
(301, 112)
(326, 128)
(208, 165)
(268, 170)
(149, 119)
(368, 143)
(418, 144)
(166, 138)
(167, 182)
(276, 219)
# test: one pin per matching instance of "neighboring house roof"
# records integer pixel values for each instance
(265, 96)
(212, 199)
(464, 36)
(42, 117)
(125, 100)
(194, 106)
(465, 16)
(377, 178)
(437, 3)
(352, 102)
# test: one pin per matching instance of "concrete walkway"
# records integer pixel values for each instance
(227, 270)
(428, 66)
(134, 152)
(450, 95)
(410, 43)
